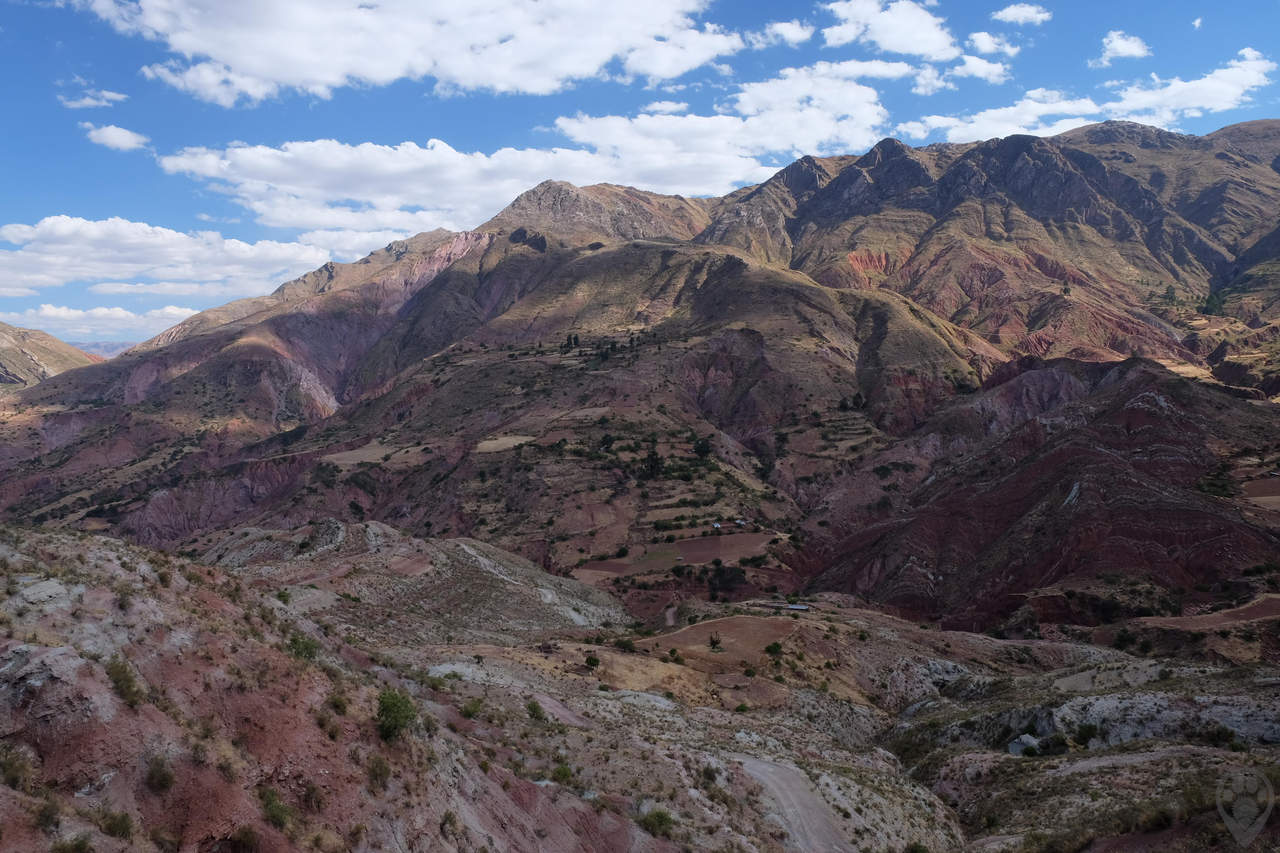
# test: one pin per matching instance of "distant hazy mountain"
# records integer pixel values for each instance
(106, 349)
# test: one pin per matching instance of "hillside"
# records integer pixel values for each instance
(1016, 367)
(151, 702)
(28, 356)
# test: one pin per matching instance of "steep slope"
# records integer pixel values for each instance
(28, 356)
(1056, 476)
(276, 360)
(153, 703)
(677, 339)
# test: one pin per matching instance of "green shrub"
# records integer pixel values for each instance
(303, 647)
(243, 840)
(116, 824)
(79, 844)
(471, 708)
(396, 712)
(774, 649)
(123, 681)
(379, 772)
(1054, 744)
(159, 774)
(535, 711)
(48, 815)
(274, 810)
(15, 770)
(562, 775)
(658, 823)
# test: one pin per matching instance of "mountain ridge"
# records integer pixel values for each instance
(878, 291)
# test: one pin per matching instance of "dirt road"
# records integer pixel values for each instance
(803, 813)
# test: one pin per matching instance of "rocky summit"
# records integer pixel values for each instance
(927, 499)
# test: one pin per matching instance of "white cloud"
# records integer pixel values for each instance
(1118, 44)
(1028, 115)
(1197, 22)
(329, 186)
(92, 98)
(930, 81)
(1160, 102)
(681, 52)
(983, 69)
(101, 323)
(227, 52)
(984, 42)
(665, 107)
(901, 26)
(117, 138)
(1163, 102)
(115, 252)
(790, 33)
(1022, 13)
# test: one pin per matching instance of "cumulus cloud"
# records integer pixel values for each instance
(120, 256)
(1029, 115)
(1118, 44)
(1023, 14)
(92, 98)
(791, 33)
(1160, 102)
(901, 26)
(983, 69)
(101, 323)
(1197, 22)
(1164, 101)
(228, 52)
(930, 81)
(665, 107)
(984, 42)
(681, 52)
(111, 136)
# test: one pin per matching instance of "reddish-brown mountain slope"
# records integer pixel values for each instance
(599, 376)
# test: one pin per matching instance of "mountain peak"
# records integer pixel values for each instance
(601, 212)
(1126, 133)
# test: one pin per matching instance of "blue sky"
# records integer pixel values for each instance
(164, 156)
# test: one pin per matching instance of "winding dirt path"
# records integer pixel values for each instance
(806, 817)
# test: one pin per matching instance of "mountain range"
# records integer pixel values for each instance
(1008, 407)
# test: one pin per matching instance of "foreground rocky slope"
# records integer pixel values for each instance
(154, 703)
